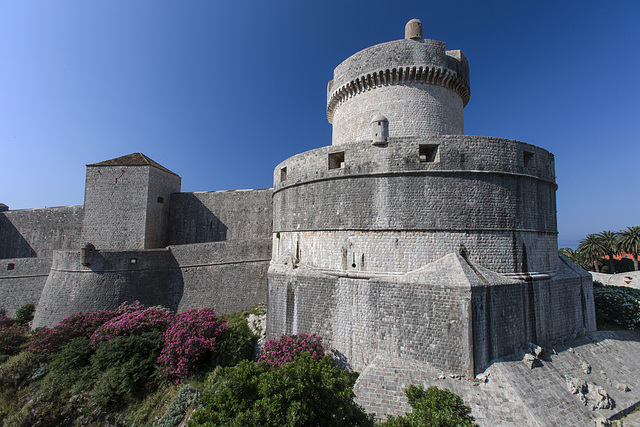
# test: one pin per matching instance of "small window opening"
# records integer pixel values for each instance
(160, 200)
(336, 160)
(428, 153)
(11, 266)
(283, 174)
(133, 260)
(527, 157)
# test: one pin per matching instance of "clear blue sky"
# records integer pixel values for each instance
(220, 92)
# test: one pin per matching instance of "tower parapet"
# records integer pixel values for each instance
(416, 83)
(406, 238)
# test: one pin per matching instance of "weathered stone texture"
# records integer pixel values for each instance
(418, 109)
(28, 233)
(228, 276)
(122, 206)
(416, 84)
(215, 216)
(112, 279)
(21, 282)
(479, 194)
(510, 392)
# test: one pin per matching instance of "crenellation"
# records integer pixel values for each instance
(407, 245)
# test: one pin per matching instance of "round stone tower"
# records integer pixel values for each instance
(407, 237)
(417, 84)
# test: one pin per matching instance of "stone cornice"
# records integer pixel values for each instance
(399, 76)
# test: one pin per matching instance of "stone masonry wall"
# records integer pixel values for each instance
(21, 282)
(113, 278)
(423, 316)
(416, 84)
(494, 196)
(28, 233)
(220, 215)
(115, 205)
(417, 109)
(162, 186)
(228, 276)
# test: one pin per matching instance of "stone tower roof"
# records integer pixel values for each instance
(133, 159)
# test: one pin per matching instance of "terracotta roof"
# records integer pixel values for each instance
(134, 159)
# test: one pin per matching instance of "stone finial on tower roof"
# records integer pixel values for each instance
(413, 29)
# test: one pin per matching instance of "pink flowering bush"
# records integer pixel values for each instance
(12, 335)
(46, 341)
(131, 322)
(189, 341)
(288, 347)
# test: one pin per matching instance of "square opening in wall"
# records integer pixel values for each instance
(336, 160)
(428, 153)
(527, 158)
(160, 200)
(283, 174)
(11, 266)
(133, 260)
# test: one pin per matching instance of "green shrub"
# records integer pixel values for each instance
(433, 408)
(177, 409)
(301, 393)
(122, 364)
(17, 369)
(234, 345)
(13, 336)
(617, 306)
(25, 313)
(74, 355)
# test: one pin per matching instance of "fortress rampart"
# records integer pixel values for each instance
(408, 239)
(404, 240)
(494, 197)
(153, 244)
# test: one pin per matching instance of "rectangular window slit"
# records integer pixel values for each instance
(11, 266)
(527, 158)
(336, 160)
(428, 153)
(283, 174)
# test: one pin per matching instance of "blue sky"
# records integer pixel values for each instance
(220, 92)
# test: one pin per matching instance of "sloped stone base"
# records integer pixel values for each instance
(509, 392)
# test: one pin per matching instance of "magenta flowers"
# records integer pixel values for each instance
(288, 347)
(188, 340)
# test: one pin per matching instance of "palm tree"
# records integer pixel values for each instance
(576, 257)
(629, 243)
(609, 242)
(590, 247)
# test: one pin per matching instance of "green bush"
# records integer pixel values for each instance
(177, 409)
(234, 345)
(25, 313)
(433, 408)
(74, 355)
(617, 306)
(123, 364)
(305, 392)
(17, 369)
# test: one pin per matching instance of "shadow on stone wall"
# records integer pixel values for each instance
(12, 243)
(193, 222)
(176, 284)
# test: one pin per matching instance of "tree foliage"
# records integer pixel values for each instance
(629, 243)
(305, 392)
(434, 408)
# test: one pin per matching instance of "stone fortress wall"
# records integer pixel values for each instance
(155, 245)
(409, 239)
(403, 244)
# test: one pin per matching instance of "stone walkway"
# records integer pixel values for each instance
(604, 368)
